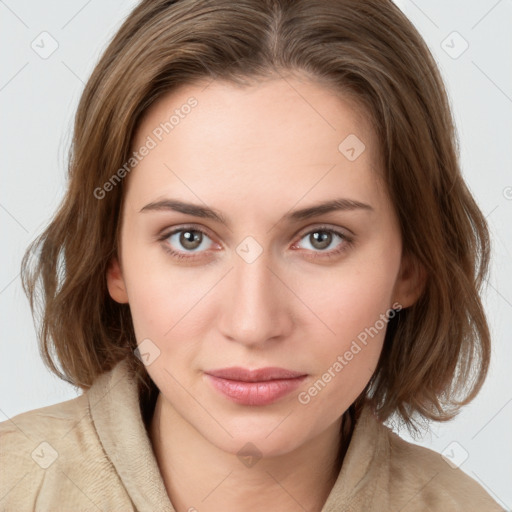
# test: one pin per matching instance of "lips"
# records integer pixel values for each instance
(259, 375)
(261, 386)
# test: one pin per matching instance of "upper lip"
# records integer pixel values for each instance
(257, 375)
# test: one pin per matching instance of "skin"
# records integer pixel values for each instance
(255, 153)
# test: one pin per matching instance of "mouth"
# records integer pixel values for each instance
(261, 386)
(239, 374)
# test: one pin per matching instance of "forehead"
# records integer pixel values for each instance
(288, 136)
(252, 114)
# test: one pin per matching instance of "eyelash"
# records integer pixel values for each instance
(347, 242)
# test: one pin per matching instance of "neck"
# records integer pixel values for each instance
(199, 476)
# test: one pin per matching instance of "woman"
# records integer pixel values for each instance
(265, 251)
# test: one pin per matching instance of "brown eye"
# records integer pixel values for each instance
(185, 242)
(320, 239)
(190, 239)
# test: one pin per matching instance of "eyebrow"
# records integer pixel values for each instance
(293, 216)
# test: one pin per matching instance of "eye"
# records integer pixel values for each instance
(185, 240)
(321, 238)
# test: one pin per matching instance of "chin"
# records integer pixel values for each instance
(262, 437)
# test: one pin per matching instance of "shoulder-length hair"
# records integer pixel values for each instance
(436, 352)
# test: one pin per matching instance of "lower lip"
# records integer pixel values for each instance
(255, 393)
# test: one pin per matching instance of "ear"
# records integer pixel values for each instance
(410, 282)
(115, 282)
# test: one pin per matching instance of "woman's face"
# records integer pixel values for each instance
(230, 265)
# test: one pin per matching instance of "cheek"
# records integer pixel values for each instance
(359, 305)
(160, 302)
(355, 304)
(351, 297)
(344, 361)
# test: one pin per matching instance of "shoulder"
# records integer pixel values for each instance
(64, 423)
(35, 436)
(422, 479)
(47, 452)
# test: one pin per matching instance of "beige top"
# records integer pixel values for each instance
(93, 453)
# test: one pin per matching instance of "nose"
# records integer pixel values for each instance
(258, 304)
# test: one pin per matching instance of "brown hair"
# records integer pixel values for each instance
(436, 352)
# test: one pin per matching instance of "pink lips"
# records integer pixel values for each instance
(255, 387)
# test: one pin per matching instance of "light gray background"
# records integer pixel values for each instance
(38, 97)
